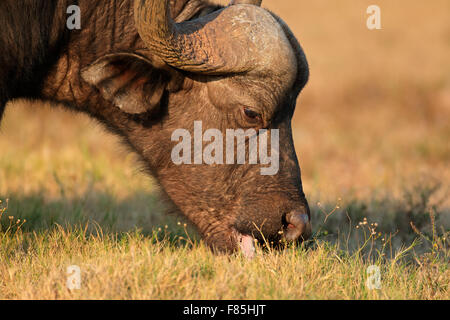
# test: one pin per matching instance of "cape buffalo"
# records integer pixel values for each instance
(146, 68)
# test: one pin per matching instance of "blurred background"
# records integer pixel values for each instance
(371, 129)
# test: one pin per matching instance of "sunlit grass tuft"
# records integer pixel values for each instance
(162, 265)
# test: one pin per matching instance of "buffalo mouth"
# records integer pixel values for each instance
(246, 243)
(297, 230)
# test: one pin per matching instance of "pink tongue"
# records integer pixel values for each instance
(248, 247)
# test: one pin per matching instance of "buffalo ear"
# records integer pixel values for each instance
(130, 81)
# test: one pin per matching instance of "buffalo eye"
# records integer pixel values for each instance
(252, 115)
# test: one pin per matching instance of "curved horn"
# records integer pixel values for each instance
(255, 2)
(225, 41)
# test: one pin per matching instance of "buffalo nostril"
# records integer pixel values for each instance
(298, 226)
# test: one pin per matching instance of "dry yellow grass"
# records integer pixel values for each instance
(371, 128)
(132, 266)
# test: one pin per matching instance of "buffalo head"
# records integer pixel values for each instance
(238, 67)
